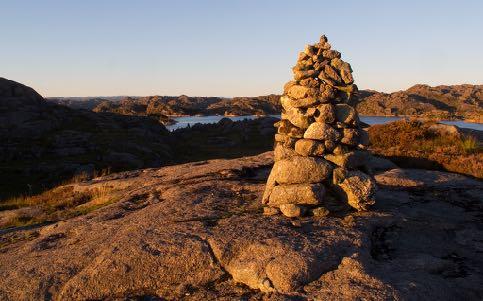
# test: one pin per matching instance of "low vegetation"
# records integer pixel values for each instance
(53, 205)
(420, 144)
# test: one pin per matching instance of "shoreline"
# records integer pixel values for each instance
(397, 116)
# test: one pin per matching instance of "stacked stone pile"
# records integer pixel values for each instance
(319, 144)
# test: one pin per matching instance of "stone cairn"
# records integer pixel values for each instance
(320, 158)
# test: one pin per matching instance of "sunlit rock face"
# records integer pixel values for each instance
(320, 157)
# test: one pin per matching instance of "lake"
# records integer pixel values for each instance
(182, 122)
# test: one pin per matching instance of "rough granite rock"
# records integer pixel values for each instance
(196, 232)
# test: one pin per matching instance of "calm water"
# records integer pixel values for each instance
(183, 122)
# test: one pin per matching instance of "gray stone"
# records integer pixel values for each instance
(346, 114)
(297, 117)
(350, 160)
(298, 103)
(292, 210)
(297, 170)
(325, 113)
(320, 212)
(302, 194)
(350, 136)
(296, 91)
(321, 131)
(282, 152)
(270, 211)
(309, 147)
(356, 187)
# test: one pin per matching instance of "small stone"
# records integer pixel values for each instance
(298, 103)
(350, 160)
(325, 113)
(324, 77)
(310, 50)
(331, 54)
(298, 75)
(288, 86)
(301, 194)
(297, 91)
(350, 137)
(323, 46)
(285, 127)
(309, 147)
(321, 131)
(346, 114)
(349, 221)
(346, 76)
(292, 210)
(320, 212)
(302, 56)
(332, 73)
(282, 152)
(319, 65)
(270, 211)
(309, 82)
(340, 149)
(297, 117)
(339, 64)
(327, 92)
(285, 140)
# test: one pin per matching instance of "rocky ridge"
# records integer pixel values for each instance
(319, 142)
(458, 102)
(463, 102)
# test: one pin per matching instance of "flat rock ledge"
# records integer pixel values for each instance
(197, 232)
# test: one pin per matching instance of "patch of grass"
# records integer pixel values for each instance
(469, 145)
(53, 205)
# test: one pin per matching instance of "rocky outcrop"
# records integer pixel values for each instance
(197, 232)
(319, 140)
(43, 144)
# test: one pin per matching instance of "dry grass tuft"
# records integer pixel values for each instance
(56, 204)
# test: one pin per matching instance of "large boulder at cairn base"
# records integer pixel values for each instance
(356, 187)
(297, 170)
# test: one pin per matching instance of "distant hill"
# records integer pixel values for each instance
(176, 105)
(463, 102)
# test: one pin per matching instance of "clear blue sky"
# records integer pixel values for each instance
(232, 47)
